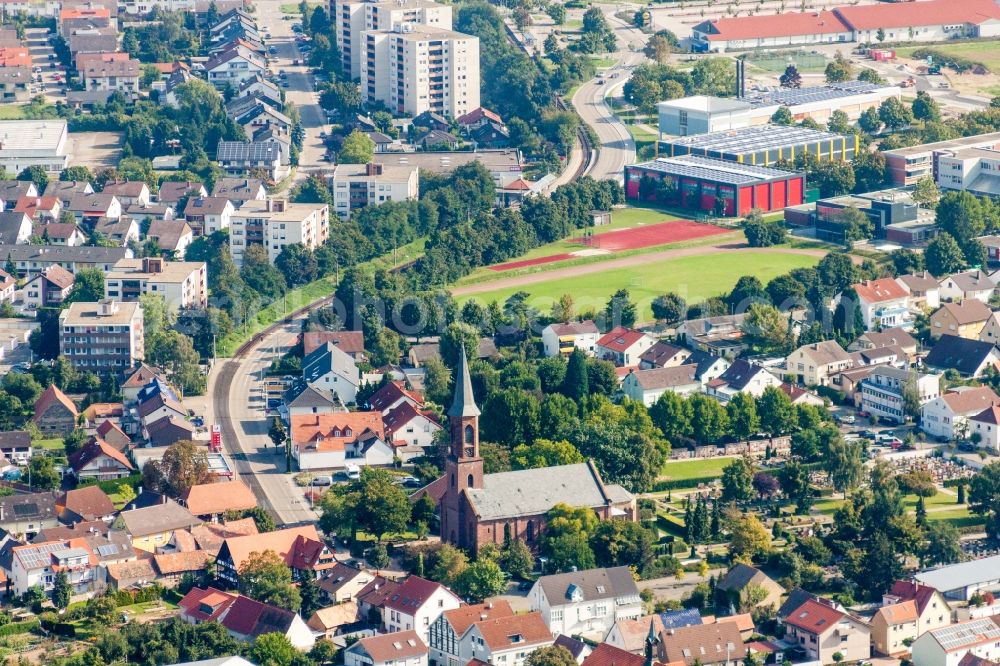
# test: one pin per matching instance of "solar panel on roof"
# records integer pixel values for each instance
(26, 509)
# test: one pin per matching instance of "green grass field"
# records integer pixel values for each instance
(984, 51)
(695, 277)
(11, 112)
(694, 469)
(54, 445)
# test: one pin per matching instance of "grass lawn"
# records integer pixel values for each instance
(55, 444)
(941, 499)
(984, 51)
(828, 505)
(11, 112)
(694, 469)
(602, 63)
(293, 7)
(573, 24)
(694, 277)
(645, 142)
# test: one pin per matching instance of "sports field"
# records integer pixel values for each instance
(651, 235)
(694, 276)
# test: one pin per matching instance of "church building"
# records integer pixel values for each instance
(478, 508)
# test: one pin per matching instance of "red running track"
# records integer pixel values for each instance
(510, 265)
(654, 234)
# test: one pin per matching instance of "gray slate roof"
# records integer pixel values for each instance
(593, 584)
(157, 519)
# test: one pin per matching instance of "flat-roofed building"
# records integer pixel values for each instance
(910, 164)
(359, 185)
(275, 223)
(27, 143)
(763, 145)
(104, 336)
(503, 164)
(182, 284)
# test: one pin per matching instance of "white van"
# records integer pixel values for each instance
(353, 472)
(322, 480)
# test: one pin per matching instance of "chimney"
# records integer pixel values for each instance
(279, 205)
(152, 265)
(373, 169)
(740, 79)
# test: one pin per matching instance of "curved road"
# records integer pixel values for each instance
(615, 148)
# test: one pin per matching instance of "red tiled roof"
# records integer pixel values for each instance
(792, 23)
(606, 654)
(94, 449)
(350, 342)
(412, 594)
(209, 498)
(814, 617)
(89, 502)
(501, 633)
(907, 590)
(390, 393)
(50, 397)
(400, 416)
(286, 543)
(620, 338)
(377, 591)
(464, 617)
(332, 432)
(914, 14)
(877, 291)
(206, 604)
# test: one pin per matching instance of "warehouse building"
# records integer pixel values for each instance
(908, 165)
(28, 143)
(763, 145)
(698, 183)
(701, 113)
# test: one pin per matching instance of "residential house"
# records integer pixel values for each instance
(741, 577)
(238, 158)
(47, 289)
(372, 597)
(152, 527)
(120, 231)
(342, 583)
(138, 377)
(206, 215)
(623, 346)
(975, 284)
(85, 504)
(64, 190)
(984, 429)
(416, 605)
(722, 335)
(408, 426)
(118, 75)
(663, 355)
(113, 435)
(392, 395)
(890, 337)
(562, 339)
(924, 290)
(167, 430)
(182, 284)
(30, 260)
(209, 501)
(404, 648)
(631, 635)
(991, 329)
(301, 548)
(301, 398)
(173, 192)
(332, 620)
(823, 632)
(150, 212)
(103, 336)
(15, 228)
(55, 414)
(350, 342)
(814, 364)
(58, 233)
(39, 564)
(240, 190)
(171, 236)
(947, 417)
(28, 514)
(276, 223)
(244, 618)
(718, 644)
(505, 640)
(8, 286)
(446, 632)
(883, 391)
(586, 602)
(12, 190)
(742, 377)
(965, 319)
(15, 445)
(90, 208)
(969, 358)
(40, 210)
(908, 610)
(331, 369)
(646, 386)
(949, 646)
(884, 303)
(234, 66)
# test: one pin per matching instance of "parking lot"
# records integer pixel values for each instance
(45, 65)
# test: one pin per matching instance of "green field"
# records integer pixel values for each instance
(11, 112)
(680, 470)
(984, 51)
(55, 444)
(695, 277)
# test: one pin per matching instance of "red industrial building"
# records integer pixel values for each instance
(697, 182)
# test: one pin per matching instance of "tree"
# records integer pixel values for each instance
(747, 536)
(88, 286)
(790, 78)
(855, 224)
(776, 411)
(62, 591)
(669, 307)
(658, 48)
(621, 543)
(672, 414)
(870, 171)
(277, 432)
(183, 465)
(761, 232)
(765, 327)
(264, 576)
(709, 421)
(984, 497)
(550, 655)
(943, 255)
(961, 214)
(737, 481)
(576, 382)
(545, 453)
(743, 419)
(842, 461)
(36, 174)
(839, 70)
(713, 76)
(620, 310)
(357, 148)
(926, 108)
(480, 580)
(297, 264)
(894, 114)
(385, 507)
(274, 649)
(942, 545)
(516, 559)
(926, 192)
(870, 121)
(378, 557)
(783, 116)
(42, 474)
(510, 417)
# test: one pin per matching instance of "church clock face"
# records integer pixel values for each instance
(469, 452)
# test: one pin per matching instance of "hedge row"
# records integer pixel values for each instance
(111, 485)
(22, 627)
(955, 62)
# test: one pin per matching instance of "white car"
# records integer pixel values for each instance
(849, 419)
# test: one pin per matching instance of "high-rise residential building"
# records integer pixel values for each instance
(276, 223)
(354, 17)
(103, 336)
(415, 68)
(359, 185)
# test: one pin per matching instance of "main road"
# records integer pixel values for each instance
(615, 148)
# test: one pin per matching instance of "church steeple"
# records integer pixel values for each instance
(464, 404)
(652, 640)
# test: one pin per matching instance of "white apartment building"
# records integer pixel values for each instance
(976, 170)
(276, 223)
(102, 336)
(359, 185)
(415, 68)
(586, 602)
(182, 284)
(353, 17)
(882, 391)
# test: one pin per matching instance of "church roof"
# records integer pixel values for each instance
(465, 402)
(532, 492)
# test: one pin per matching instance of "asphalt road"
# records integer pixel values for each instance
(615, 148)
(237, 405)
(301, 86)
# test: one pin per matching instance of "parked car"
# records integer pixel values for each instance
(849, 419)
(322, 480)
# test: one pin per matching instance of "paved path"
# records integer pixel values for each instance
(624, 262)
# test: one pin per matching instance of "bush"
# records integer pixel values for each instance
(957, 63)
(15, 628)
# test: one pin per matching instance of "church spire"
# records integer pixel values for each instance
(465, 402)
